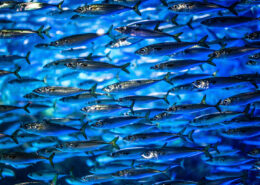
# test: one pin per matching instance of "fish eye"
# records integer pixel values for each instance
(251, 62)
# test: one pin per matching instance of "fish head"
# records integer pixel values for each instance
(108, 88)
(129, 138)
(172, 108)
(32, 126)
(122, 29)
(181, 7)
(252, 36)
(143, 51)
(251, 62)
(58, 43)
(201, 84)
(255, 56)
(157, 66)
(41, 90)
(254, 152)
(98, 124)
(226, 101)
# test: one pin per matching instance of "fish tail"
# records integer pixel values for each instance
(201, 67)
(189, 23)
(132, 107)
(203, 101)
(232, 8)
(54, 180)
(89, 57)
(247, 109)
(254, 84)
(16, 72)
(176, 36)
(173, 20)
(211, 63)
(26, 107)
(51, 159)
(206, 151)
(45, 80)
(156, 28)
(180, 134)
(190, 135)
(108, 56)
(109, 31)
(166, 78)
(202, 42)
(164, 3)
(83, 130)
(215, 147)
(46, 32)
(14, 136)
(93, 90)
(217, 106)
(165, 98)
(39, 32)
(210, 60)
(136, 8)
(59, 5)
(123, 67)
(27, 57)
(113, 142)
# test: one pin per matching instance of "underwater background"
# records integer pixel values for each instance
(129, 92)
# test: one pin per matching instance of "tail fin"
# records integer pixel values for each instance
(176, 36)
(165, 98)
(166, 78)
(27, 57)
(59, 5)
(247, 109)
(89, 57)
(51, 159)
(16, 72)
(46, 32)
(132, 107)
(93, 90)
(108, 56)
(83, 130)
(136, 8)
(164, 3)
(108, 33)
(39, 32)
(203, 101)
(190, 135)
(211, 63)
(123, 67)
(54, 180)
(14, 136)
(173, 20)
(180, 134)
(232, 8)
(45, 80)
(206, 151)
(26, 107)
(210, 60)
(202, 42)
(217, 106)
(113, 143)
(189, 23)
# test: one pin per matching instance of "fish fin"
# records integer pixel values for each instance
(203, 101)
(180, 134)
(254, 84)
(211, 63)
(59, 5)
(113, 143)
(123, 67)
(46, 32)
(16, 72)
(39, 32)
(165, 98)
(109, 31)
(231, 8)
(14, 136)
(26, 107)
(206, 152)
(215, 73)
(83, 130)
(201, 67)
(164, 3)
(156, 28)
(45, 80)
(164, 145)
(27, 57)
(51, 159)
(173, 20)
(190, 135)
(108, 56)
(189, 23)
(217, 106)
(210, 60)
(54, 180)
(93, 90)
(215, 147)
(166, 78)
(89, 56)
(147, 115)
(132, 107)
(202, 42)
(246, 110)
(182, 164)
(136, 8)
(133, 163)
(176, 36)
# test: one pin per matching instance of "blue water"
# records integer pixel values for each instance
(190, 168)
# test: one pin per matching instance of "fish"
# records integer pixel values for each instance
(241, 99)
(60, 91)
(16, 33)
(168, 48)
(145, 33)
(241, 133)
(106, 9)
(255, 36)
(30, 6)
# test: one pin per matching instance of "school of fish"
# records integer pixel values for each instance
(130, 92)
